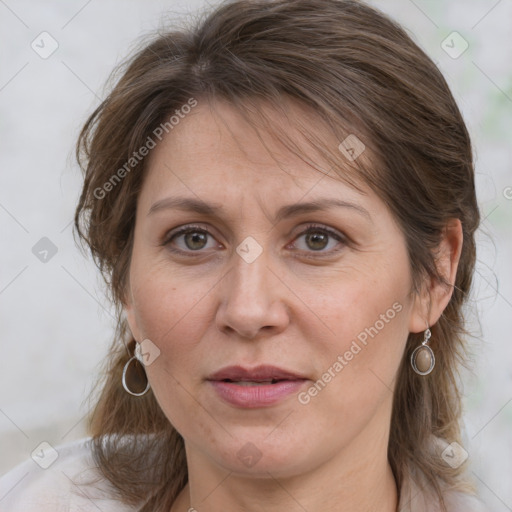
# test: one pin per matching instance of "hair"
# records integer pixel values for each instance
(355, 70)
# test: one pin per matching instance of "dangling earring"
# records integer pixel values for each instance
(135, 374)
(422, 358)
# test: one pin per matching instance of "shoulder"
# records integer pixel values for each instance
(58, 479)
(416, 495)
(457, 501)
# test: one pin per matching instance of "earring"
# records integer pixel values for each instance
(422, 358)
(135, 374)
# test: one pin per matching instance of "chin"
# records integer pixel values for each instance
(258, 456)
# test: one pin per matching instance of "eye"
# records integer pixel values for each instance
(189, 239)
(317, 238)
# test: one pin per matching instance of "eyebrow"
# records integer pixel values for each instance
(212, 209)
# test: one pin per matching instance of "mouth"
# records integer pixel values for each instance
(257, 387)
(263, 374)
(253, 382)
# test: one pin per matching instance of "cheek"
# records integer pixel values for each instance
(371, 304)
(170, 311)
(173, 311)
(365, 316)
(163, 300)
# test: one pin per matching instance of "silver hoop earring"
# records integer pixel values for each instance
(422, 358)
(135, 374)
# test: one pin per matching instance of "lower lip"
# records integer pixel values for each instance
(256, 396)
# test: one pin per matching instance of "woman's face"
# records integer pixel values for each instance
(272, 273)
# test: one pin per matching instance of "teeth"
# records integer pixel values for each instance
(251, 383)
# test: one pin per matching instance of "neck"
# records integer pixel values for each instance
(275, 495)
(358, 479)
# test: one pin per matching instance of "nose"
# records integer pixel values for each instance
(252, 303)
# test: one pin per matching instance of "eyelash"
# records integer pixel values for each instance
(310, 228)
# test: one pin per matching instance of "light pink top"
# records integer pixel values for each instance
(61, 486)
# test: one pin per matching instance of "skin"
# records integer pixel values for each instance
(290, 307)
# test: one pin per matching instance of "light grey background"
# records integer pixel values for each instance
(56, 325)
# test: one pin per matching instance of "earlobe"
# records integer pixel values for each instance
(436, 293)
(129, 314)
(130, 319)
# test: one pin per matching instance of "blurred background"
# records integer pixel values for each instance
(55, 324)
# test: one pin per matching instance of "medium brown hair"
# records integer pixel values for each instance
(355, 70)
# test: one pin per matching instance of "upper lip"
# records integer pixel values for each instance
(258, 373)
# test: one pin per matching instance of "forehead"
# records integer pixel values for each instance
(216, 150)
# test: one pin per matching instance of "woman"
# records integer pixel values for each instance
(281, 200)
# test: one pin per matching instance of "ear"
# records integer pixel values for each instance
(435, 295)
(129, 312)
